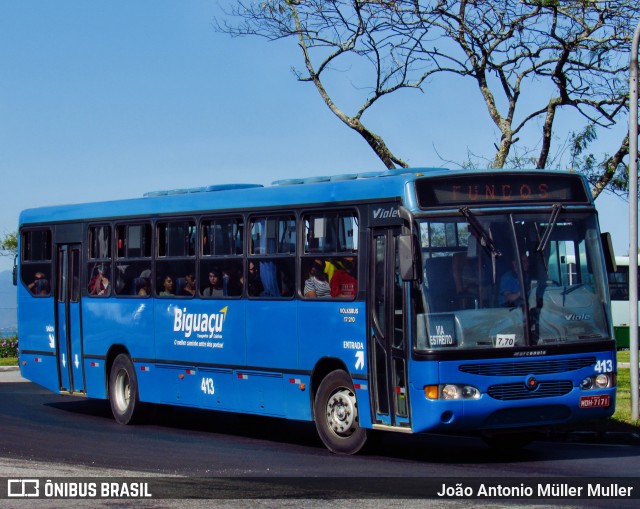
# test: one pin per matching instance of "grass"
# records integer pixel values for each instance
(622, 416)
(8, 361)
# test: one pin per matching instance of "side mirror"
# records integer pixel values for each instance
(407, 258)
(15, 271)
(607, 247)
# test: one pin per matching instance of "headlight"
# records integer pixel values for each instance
(469, 392)
(451, 392)
(601, 381)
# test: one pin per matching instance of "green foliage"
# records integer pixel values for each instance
(9, 347)
(9, 244)
(545, 3)
(585, 162)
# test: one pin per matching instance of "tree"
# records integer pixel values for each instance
(9, 244)
(529, 59)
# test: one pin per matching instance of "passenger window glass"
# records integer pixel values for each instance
(36, 265)
(273, 235)
(176, 238)
(36, 246)
(99, 242)
(329, 263)
(221, 237)
(99, 269)
(133, 241)
(271, 268)
(176, 267)
(133, 266)
(331, 233)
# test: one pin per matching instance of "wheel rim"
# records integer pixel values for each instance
(122, 391)
(342, 412)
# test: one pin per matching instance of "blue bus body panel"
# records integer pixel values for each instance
(333, 329)
(220, 392)
(179, 385)
(37, 336)
(272, 340)
(524, 408)
(118, 322)
(194, 331)
(40, 369)
(96, 378)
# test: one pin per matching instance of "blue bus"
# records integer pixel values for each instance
(421, 300)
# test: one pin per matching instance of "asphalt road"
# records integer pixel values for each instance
(44, 434)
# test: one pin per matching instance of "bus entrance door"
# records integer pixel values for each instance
(387, 341)
(68, 337)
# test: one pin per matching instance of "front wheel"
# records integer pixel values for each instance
(336, 414)
(123, 392)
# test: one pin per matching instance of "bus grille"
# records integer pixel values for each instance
(538, 367)
(545, 389)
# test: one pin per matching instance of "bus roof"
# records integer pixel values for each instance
(291, 192)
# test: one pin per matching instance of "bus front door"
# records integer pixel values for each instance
(387, 341)
(68, 328)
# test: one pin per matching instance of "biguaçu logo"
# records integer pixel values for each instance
(206, 325)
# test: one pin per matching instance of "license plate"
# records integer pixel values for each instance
(602, 401)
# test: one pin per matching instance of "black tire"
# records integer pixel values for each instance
(123, 392)
(336, 414)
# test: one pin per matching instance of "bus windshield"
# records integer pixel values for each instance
(511, 281)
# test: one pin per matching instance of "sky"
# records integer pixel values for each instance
(103, 100)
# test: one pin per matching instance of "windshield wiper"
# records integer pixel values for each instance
(485, 238)
(553, 219)
(573, 288)
(481, 233)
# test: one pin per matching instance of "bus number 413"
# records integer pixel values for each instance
(604, 366)
(207, 387)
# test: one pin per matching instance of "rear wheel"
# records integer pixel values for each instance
(336, 414)
(123, 392)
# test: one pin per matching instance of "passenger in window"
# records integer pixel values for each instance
(317, 286)
(144, 288)
(99, 283)
(343, 283)
(189, 288)
(254, 283)
(143, 283)
(232, 282)
(40, 285)
(511, 294)
(167, 287)
(214, 286)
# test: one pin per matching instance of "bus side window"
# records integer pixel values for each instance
(221, 273)
(99, 273)
(329, 262)
(176, 258)
(36, 262)
(133, 260)
(272, 257)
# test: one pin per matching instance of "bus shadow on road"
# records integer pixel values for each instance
(431, 448)
(206, 422)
